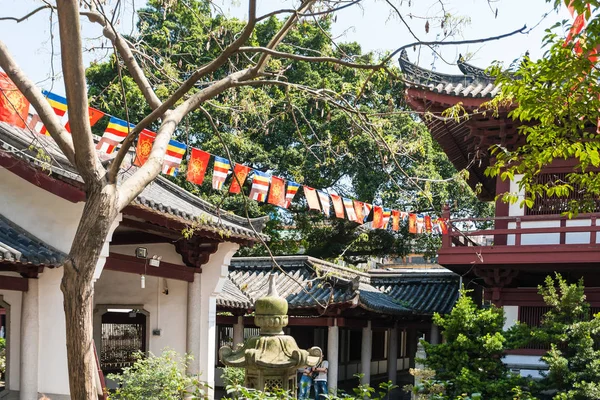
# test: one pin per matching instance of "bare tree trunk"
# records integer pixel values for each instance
(98, 214)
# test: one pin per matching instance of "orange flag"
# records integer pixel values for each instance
(144, 146)
(94, 114)
(13, 105)
(428, 225)
(241, 172)
(311, 198)
(377, 217)
(197, 166)
(443, 226)
(395, 220)
(277, 192)
(358, 208)
(338, 205)
(412, 223)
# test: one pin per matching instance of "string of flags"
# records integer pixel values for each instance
(264, 188)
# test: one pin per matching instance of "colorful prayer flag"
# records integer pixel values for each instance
(349, 206)
(277, 192)
(367, 211)
(114, 134)
(311, 198)
(173, 157)
(428, 226)
(260, 186)
(359, 210)
(143, 148)
(220, 170)
(377, 217)
(338, 205)
(13, 105)
(403, 215)
(412, 223)
(292, 189)
(324, 198)
(386, 217)
(197, 166)
(395, 220)
(240, 173)
(443, 225)
(420, 223)
(94, 116)
(58, 104)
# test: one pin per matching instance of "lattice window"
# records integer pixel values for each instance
(273, 384)
(123, 334)
(552, 205)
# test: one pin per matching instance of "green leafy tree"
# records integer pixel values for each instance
(573, 336)
(469, 360)
(296, 136)
(556, 99)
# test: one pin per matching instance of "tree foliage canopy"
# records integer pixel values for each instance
(282, 130)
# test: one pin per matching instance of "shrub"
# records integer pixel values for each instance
(158, 378)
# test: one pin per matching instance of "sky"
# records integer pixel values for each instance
(373, 26)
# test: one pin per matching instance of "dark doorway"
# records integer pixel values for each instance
(123, 335)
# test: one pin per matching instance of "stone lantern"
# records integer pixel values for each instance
(271, 359)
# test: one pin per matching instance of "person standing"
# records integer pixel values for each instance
(305, 383)
(321, 380)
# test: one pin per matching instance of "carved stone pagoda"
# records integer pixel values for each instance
(272, 358)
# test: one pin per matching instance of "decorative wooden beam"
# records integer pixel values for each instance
(134, 265)
(196, 250)
(14, 283)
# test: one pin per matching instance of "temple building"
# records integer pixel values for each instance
(524, 245)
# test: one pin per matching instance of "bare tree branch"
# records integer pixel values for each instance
(122, 46)
(32, 93)
(312, 14)
(183, 89)
(86, 160)
(275, 40)
(298, 57)
(26, 16)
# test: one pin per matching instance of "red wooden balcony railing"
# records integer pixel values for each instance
(512, 231)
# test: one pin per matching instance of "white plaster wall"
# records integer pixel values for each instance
(167, 312)
(47, 216)
(52, 362)
(578, 237)
(515, 209)
(165, 250)
(511, 316)
(14, 299)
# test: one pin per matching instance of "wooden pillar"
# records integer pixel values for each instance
(392, 354)
(30, 330)
(333, 343)
(365, 355)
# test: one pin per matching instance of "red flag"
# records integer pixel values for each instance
(377, 217)
(144, 146)
(338, 205)
(443, 225)
(428, 225)
(395, 220)
(241, 172)
(197, 166)
(358, 208)
(94, 115)
(412, 223)
(277, 192)
(311, 198)
(13, 105)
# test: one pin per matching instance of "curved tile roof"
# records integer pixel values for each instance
(19, 246)
(308, 283)
(424, 293)
(474, 82)
(161, 196)
(232, 297)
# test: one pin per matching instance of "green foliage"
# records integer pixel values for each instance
(557, 100)
(573, 335)
(469, 360)
(290, 133)
(2, 356)
(158, 378)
